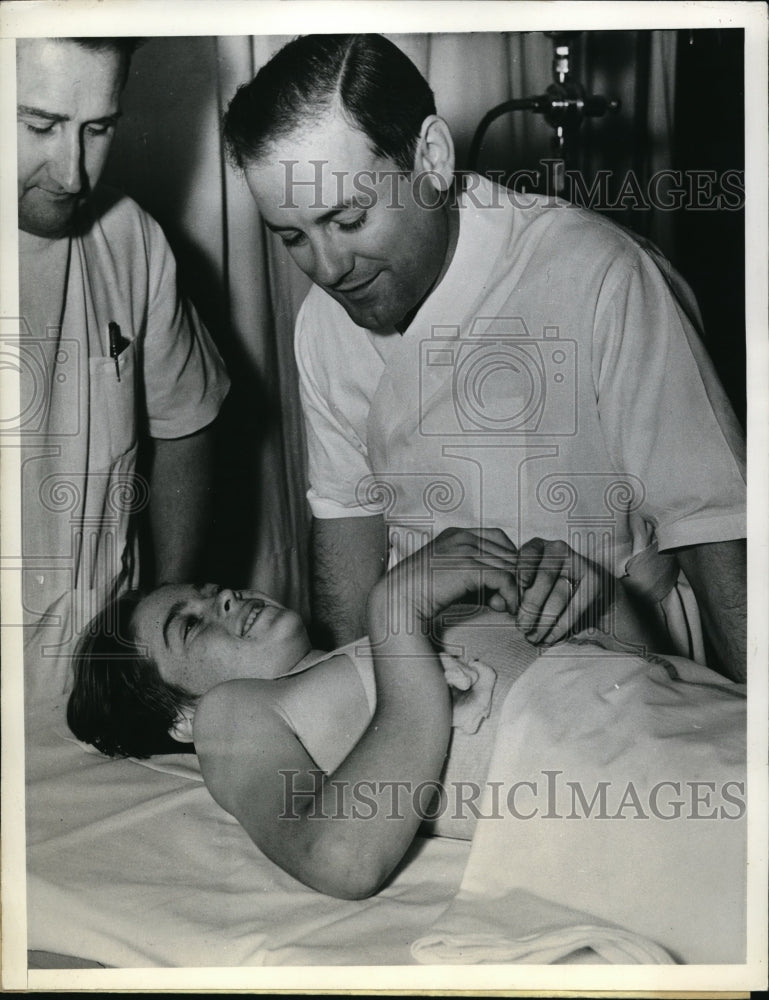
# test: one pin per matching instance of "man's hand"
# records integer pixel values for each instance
(557, 588)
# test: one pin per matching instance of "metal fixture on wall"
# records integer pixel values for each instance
(564, 106)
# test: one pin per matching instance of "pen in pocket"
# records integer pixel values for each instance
(113, 331)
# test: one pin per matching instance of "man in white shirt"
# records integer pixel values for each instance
(113, 359)
(470, 356)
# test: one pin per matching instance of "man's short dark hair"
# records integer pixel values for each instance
(381, 92)
(119, 702)
(125, 48)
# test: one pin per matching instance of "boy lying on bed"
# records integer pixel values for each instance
(227, 670)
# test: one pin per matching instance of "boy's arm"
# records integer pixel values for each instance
(345, 836)
(341, 834)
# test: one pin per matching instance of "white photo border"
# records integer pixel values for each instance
(232, 17)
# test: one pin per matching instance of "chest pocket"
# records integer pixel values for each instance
(112, 409)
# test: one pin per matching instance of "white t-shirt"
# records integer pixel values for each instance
(80, 423)
(553, 384)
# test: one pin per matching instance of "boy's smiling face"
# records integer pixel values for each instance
(201, 636)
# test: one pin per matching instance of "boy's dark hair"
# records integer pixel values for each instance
(381, 92)
(119, 702)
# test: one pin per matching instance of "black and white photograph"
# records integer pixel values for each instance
(385, 397)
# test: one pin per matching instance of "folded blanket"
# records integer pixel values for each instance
(521, 927)
(616, 789)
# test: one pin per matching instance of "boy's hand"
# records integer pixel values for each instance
(457, 561)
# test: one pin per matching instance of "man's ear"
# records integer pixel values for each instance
(181, 730)
(435, 153)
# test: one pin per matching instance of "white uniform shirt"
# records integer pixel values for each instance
(553, 384)
(80, 422)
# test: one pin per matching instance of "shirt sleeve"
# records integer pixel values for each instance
(663, 411)
(185, 381)
(338, 466)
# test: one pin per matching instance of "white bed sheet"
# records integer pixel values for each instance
(132, 864)
(133, 867)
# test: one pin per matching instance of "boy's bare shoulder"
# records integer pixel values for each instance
(249, 702)
(231, 703)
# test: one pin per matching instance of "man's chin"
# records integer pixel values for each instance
(376, 320)
(46, 230)
(52, 225)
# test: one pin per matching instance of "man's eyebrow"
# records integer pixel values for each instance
(52, 116)
(326, 217)
(25, 109)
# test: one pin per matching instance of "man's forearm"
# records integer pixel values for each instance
(349, 556)
(181, 502)
(717, 573)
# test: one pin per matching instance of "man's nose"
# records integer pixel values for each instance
(332, 262)
(68, 167)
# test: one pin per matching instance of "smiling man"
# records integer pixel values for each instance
(117, 361)
(472, 356)
(399, 250)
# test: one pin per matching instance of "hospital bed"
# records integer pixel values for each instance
(131, 864)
